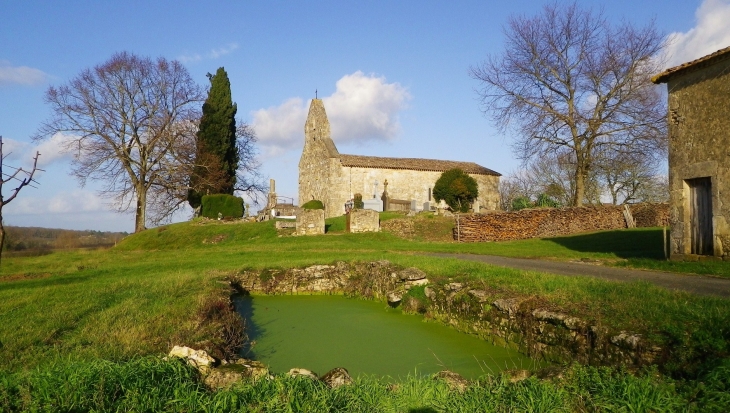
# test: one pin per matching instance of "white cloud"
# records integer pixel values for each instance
(212, 54)
(52, 150)
(21, 75)
(711, 33)
(280, 128)
(363, 107)
(13, 150)
(61, 203)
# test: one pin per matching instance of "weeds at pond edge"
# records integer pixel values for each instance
(216, 327)
(150, 384)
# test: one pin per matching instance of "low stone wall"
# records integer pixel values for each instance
(550, 222)
(285, 224)
(363, 220)
(527, 324)
(310, 222)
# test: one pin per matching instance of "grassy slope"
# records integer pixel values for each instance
(135, 299)
(63, 312)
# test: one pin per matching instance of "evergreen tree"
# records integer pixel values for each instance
(457, 188)
(217, 154)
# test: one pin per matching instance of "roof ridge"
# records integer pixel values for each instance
(664, 76)
(422, 164)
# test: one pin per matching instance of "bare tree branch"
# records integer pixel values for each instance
(568, 81)
(20, 178)
(123, 121)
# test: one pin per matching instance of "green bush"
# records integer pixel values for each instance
(358, 202)
(313, 204)
(545, 201)
(228, 206)
(521, 202)
(457, 188)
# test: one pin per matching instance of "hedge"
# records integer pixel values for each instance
(228, 206)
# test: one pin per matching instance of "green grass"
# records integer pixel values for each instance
(153, 385)
(140, 298)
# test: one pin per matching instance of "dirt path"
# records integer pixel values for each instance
(697, 284)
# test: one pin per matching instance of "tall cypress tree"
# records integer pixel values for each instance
(217, 156)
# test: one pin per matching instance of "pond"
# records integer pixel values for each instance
(321, 332)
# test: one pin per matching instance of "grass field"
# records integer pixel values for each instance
(141, 297)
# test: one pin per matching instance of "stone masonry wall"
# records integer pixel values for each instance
(310, 222)
(698, 147)
(402, 184)
(317, 156)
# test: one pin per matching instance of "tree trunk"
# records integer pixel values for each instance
(2, 237)
(580, 183)
(141, 212)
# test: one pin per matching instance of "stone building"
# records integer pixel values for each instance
(699, 156)
(333, 178)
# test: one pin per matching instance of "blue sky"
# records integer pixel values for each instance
(393, 76)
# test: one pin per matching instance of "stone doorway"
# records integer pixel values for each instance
(700, 210)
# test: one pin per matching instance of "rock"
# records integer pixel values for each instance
(415, 283)
(217, 378)
(337, 377)
(197, 358)
(411, 274)
(253, 369)
(517, 375)
(479, 295)
(626, 340)
(508, 305)
(454, 286)
(455, 381)
(379, 263)
(572, 323)
(395, 297)
(302, 372)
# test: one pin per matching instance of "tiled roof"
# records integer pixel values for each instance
(704, 61)
(415, 164)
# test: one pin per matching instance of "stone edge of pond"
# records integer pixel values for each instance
(524, 323)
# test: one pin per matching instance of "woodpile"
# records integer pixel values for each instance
(651, 215)
(550, 222)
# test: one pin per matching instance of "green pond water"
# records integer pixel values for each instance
(322, 332)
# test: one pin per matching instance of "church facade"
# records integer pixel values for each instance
(334, 178)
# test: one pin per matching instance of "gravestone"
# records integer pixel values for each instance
(310, 222)
(364, 220)
(374, 204)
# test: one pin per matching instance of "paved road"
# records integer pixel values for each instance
(697, 284)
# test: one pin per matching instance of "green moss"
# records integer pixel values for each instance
(313, 204)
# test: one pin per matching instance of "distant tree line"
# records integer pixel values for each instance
(36, 238)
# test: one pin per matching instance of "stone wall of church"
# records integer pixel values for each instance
(402, 184)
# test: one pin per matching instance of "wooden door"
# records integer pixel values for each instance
(700, 207)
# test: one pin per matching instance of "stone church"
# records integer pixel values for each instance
(333, 178)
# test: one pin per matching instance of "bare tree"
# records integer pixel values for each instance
(568, 81)
(123, 122)
(249, 180)
(631, 178)
(18, 178)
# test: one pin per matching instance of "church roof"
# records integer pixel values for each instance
(703, 61)
(415, 164)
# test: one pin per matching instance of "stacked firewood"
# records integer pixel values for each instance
(651, 215)
(545, 222)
